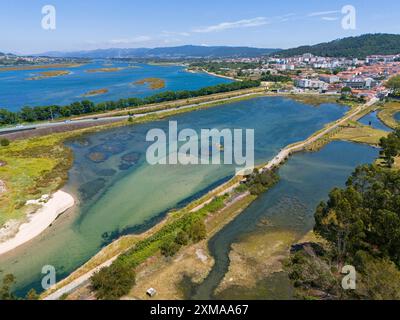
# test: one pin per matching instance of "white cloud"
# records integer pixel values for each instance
(330, 18)
(246, 23)
(322, 13)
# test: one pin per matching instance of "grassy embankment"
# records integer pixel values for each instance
(314, 99)
(359, 133)
(356, 132)
(387, 112)
(352, 130)
(32, 168)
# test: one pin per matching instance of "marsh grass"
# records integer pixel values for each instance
(387, 112)
(33, 167)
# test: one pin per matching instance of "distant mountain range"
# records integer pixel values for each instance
(185, 52)
(352, 47)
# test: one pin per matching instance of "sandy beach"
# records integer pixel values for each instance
(40, 221)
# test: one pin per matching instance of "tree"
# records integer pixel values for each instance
(182, 238)
(338, 221)
(27, 114)
(197, 231)
(364, 216)
(390, 147)
(276, 78)
(113, 282)
(8, 117)
(170, 248)
(379, 279)
(346, 90)
(393, 84)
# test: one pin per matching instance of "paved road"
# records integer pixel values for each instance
(100, 118)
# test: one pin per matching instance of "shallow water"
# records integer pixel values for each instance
(397, 116)
(70, 88)
(306, 180)
(120, 193)
(372, 120)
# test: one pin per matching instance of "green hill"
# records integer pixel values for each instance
(352, 47)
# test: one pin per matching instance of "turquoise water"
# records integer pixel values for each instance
(120, 193)
(372, 120)
(16, 91)
(306, 180)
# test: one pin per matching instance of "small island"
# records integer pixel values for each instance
(104, 70)
(153, 83)
(95, 92)
(50, 74)
(46, 66)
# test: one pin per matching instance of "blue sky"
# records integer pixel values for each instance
(91, 24)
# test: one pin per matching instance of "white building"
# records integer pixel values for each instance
(329, 78)
(311, 84)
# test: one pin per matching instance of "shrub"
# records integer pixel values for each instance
(182, 238)
(4, 142)
(5, 289)
(113, 282)
(32, 295)
(170, 248)
(197, 231)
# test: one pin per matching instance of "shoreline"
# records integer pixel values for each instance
(43, 218)
(212, 74)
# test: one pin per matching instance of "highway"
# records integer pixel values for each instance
(99, 118)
